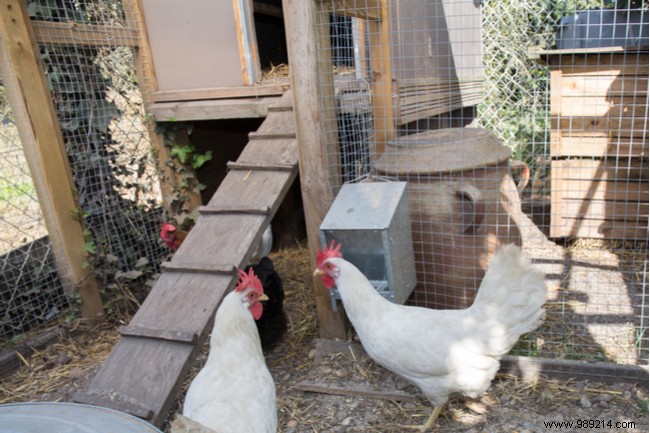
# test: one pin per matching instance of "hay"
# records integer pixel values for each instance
(57, 372)
(65, 367)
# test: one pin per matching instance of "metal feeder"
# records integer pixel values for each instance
(372, 221)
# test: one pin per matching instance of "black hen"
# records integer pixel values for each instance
(273, 323)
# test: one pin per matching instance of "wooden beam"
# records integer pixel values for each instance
(305, 21)
(362, 9)
(254, 91)
(246, 40)
(89, 35)
(44, 149)
(355, 391)
(382, 79)
(243, 108)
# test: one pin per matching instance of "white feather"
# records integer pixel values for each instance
(445, 351)
(234, 391)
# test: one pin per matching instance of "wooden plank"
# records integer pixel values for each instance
(246, 40)
(257, 189)
(628, 63)
(183, 302)
(40, 133)
(247, 108)
(433, 96)
(223, 240)
(599, 229)
(354, 391)
(382, 79)
(312, 99)
(362, 9)
(583, 189)
(565, 369)
(555, 96)
(603, 106)
(608, 86)
(597, 144)
(89, 35)
(621, 170)
(616, 126)
(276, 151)
(249, 166)
(143, 372)
(600, 199)
(198, 266)
(605, 210)
(206, 210)
(250, 91)
(160, 334)
(276, 125)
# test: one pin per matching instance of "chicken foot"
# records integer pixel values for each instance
(430, 421)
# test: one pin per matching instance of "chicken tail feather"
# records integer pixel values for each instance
(510, 299)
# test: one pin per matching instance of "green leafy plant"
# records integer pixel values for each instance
(185, 159)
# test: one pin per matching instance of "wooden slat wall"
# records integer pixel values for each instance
(598, 199)
(436, 57)
(425, 97)
(148, 364)
(599, 136)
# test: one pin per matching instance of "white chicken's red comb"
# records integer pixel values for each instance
(248, 280)
(327, 253)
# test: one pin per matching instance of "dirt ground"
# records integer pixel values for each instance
(347, 392)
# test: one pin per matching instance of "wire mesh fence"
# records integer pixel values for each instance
(512, 121)
(509, 124)
(92, 79)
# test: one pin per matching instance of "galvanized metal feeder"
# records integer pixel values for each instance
(372, 221)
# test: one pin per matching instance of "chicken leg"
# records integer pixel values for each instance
(430, 421)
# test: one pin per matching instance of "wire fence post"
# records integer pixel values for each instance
(46, 156)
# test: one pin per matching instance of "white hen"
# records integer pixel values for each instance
(234, 391)
(442, 351)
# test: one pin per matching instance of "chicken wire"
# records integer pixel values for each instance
(575, 118)
(100, 111)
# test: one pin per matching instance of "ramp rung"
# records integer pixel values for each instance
(220, 209)
(199, 267)
(159, 334)
(262, 167)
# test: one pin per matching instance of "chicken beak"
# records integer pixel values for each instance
(318, 273)
(263, 297)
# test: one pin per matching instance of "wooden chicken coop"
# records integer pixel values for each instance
(599, 140)
(206, 61)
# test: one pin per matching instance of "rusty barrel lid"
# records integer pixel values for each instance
(441, 151)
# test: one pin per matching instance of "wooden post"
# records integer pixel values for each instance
(305, 21)
(44, 149)
(382, 78)
(169, 179)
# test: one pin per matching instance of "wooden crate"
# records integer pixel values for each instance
(599, 142)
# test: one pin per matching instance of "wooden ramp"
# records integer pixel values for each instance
(142, 374)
